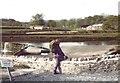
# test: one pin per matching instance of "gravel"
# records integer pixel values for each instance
(39, 75)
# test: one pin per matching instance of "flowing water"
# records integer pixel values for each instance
(9, 48)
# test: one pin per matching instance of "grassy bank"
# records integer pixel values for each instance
(94, 35)
(26, 35)
(66, 38)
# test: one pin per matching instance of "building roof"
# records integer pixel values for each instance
(84, 26)
(97, 25)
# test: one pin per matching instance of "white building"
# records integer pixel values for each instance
(38, 27)
(94, 27)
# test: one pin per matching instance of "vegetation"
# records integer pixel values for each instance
(90, 35)
(21, 66)
(68, 28)
(51, 23)
(109, 22)
(13, 30)
(37, 20)
(10, 22)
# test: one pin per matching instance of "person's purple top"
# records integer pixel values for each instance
(58, 50)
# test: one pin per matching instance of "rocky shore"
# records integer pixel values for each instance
(99, 69)
(102, 67)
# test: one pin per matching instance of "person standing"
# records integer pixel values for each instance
(59, 55)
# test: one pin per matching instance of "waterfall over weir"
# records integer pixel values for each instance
(9, 48)
(6, 48)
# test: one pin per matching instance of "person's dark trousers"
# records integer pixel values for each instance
(58, 64)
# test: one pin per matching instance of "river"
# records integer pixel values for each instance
(87, 43)
(70, 48)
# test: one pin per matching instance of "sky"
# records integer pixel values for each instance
(23, 10)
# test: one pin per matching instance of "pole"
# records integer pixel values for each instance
(9, 73)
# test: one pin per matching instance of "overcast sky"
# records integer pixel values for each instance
(23, 10)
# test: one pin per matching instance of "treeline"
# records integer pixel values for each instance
(109, 22)
(10, 22)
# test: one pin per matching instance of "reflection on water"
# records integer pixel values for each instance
(13, 47)
(46, 44)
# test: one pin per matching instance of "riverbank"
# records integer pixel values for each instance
(65, 36)
(98, 68)
(91, 63)
(95, 69)
(48, 39)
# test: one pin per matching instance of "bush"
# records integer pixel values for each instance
(21, 66)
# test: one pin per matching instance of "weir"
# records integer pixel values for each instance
(5, 50)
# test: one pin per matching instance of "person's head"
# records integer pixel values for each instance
(57, 40)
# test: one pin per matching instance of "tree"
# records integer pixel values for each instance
(37, 20)
(89, 20)
(64, 22)
(51, 23)
(72, 23)
(119, 22)
(10, 22)
(80, 22)
(111, 23)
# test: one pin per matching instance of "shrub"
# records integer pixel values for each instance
(21, 66)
